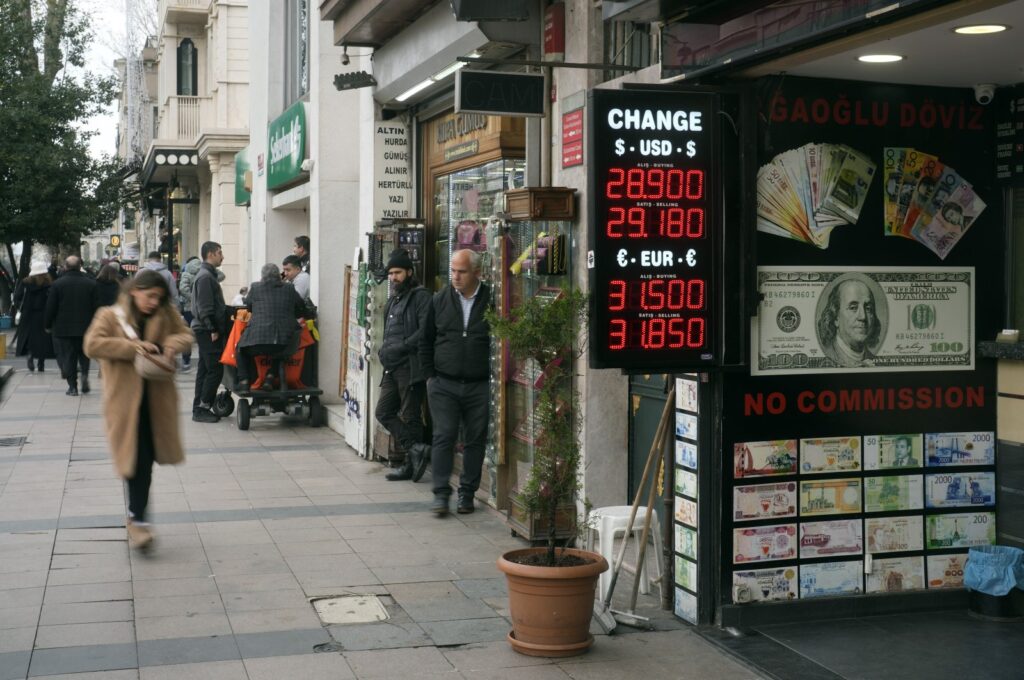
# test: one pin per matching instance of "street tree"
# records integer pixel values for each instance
(52, 191)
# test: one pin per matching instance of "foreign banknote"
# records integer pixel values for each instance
(833, 454)
(686, 573)
(961, 530)
(886, 451)
(894, 534)
(829, 497)
(686, 511)
(686, 541)
(686, 605)
(831, 578)
(909, 319)
(830, 538)
(946, 571)
(686, 425)
(952, 220)
(960, 448)
(686, 483)
(763, 501)
(762, 544)
(960, 489)
(761, 459)
(896, 574)
(764, 585)
(686, 394)
(686, 454)
(892, 493)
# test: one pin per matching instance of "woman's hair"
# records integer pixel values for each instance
(146, 279)
(109, 273)
(270, 272)
(39, 279)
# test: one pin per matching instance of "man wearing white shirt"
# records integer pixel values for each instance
(292, 269)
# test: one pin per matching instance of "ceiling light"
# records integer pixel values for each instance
(444, 73)
(879, 58)
(980, 29)
(414, 89)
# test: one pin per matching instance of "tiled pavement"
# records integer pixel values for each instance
(252, 527)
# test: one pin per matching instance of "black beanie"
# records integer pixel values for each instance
(399, 259)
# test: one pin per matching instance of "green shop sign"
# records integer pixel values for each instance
(243, 178)
(287, 145)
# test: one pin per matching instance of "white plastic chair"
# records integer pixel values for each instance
(609, 523)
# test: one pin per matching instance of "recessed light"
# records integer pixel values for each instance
(879, 58)
(981, 29)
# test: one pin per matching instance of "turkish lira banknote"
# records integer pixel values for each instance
(946, 449)
(946, 571)
(893, 492)
(763, 501)
(764, 585)
(896, 574)
(950, 489)
(831, 578)
(831, 538)
(908, 319)
(829, 497)
(894, 534)
(831, 454)
(961, 530)
(763, 544)
(762, 459)
(887, 451)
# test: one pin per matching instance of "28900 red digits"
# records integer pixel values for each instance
(655, 184)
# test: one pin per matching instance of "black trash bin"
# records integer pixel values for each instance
(992, 576)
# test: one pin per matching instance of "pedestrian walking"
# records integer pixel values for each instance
(455, 354)
(30, 298)
(188, 275)
(141, 414)
(109, 283)
(155, 263)
(273, 327)
(72, 302)
(400, 405)
(209, 325)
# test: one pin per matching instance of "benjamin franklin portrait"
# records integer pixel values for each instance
(852, 317)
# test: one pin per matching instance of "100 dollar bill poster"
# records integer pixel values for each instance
(863, 319)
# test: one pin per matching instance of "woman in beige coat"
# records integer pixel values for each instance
(141, 415)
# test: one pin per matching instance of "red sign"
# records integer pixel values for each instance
(554, 32)
(572, 138)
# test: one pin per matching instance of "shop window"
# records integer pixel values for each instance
(297, 25)
(1015, 276)
(188, 69)
(627, 44)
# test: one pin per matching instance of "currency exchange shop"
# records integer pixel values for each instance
(850, 429)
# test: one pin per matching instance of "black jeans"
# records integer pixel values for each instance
(400, 407)
(210, 369)
(186, 356)
(138, 485)
(453, 403)
(246, 370)
(71, 358)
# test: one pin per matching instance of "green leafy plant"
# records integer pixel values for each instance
(550, 333)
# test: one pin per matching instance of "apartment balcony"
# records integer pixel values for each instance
(184, 11)
(182, 118)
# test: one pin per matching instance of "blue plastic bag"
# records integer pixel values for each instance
(994, 569)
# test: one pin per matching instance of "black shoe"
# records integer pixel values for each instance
(465, 505)
(440, 506)
(268, 384)
(243, 386)
(85, 385)
(401, 474)
(205, 416)
(420, 457)
(72, 392)
(41, 368)
(31, 365)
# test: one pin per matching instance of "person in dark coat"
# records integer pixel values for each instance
(109, 282)
(209, 324)
(273, 328)
(73, 301)
(33, 340)
(400, 405)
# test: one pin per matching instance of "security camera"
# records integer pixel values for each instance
(984, 93)
(344, 58)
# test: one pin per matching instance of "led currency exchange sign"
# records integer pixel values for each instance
(653, 230)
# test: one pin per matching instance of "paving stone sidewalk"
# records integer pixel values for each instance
(251, 528)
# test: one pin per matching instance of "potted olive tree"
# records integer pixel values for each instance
(551, 589)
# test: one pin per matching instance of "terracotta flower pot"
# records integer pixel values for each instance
(551, 606)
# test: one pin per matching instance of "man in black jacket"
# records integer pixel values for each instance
(208, 323)
(455, 358)
(73, 300)
(400, 406)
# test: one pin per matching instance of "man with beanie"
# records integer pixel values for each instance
(455, 355)
(399, 408)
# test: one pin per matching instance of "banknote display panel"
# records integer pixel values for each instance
(945, 449)
(764, 585)
(894, 534)
(831, 538)
(763, 544)
(825, 579)
(829, 497)
(763, 501)
(765, 459)
(686, 511)
(686, 541)
(961, 530)
(951, 489)
(686, 395)
(686, 573)
(832, 454)
(946, 571)
(896, 574)
(686, 483)
(686, 605)
(863, 319)
(890, 451)
(893, 493)
(686, 454)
